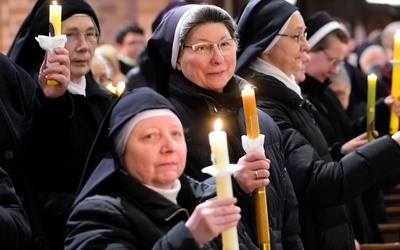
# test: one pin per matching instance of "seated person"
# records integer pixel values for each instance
(138, 197)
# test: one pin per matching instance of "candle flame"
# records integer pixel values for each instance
(218, 125)
(54, 2)
(247, 87)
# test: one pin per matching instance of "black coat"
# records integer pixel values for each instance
(17, 94)
(138, 217)
(322, 186)
(15, 232)
(198, 109)
(62, 169)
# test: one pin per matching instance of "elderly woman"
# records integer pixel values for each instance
(67, 142)
(273, 42)
(140, 198)
(193, 52)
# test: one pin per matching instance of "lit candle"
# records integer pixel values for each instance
(371, 106)
(55, 19)
(250, 112)
(54, 27)
(120, 88)
(260, 194)
(219, 151)
(394, 119)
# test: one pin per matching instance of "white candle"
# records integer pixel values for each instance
(219, 151)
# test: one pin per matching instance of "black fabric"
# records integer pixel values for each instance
(322, 186)
(317, 21)
(256, 35)
(18, 93)
(142, 75)
(15, 231)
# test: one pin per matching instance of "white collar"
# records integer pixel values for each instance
(77, 88)
(265, 68)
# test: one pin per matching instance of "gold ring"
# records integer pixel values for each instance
(256, 173)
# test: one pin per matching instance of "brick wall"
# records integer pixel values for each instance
(111, 13)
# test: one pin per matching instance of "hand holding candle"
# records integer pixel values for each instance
(395, 92)
(260, 194)
(371, 106)
(220, 156)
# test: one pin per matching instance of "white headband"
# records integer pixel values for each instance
(178, 36)
(322, 32)
(121, 136)
(276, 38)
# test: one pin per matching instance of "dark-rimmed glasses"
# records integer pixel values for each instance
(225, 47)
(300, 38)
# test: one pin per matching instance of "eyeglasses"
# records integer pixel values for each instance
(333, 61)
(90, 37)
(300, 38)
(225, 47)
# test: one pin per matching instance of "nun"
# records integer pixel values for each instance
(193, 54)
(137, 196)
(273, 42)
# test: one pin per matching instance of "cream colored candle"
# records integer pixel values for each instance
(394, 119)
(371, 106)
(54, 26)
(55, 19)
(220, 155)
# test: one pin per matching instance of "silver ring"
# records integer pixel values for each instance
(256, 173)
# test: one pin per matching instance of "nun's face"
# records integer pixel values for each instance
(325, 62)
(208, 70)
(287, 53)
(300, 75)
(81, 42)
(155, 152)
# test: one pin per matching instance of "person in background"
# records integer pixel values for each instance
(193, 56)
(110, 53)
(67, 145)
(273, 41)
(101, 70)
(129, 42)
(139, 185)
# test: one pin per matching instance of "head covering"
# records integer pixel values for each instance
(127, 106)
(25, 50)
(319, 25)
(258, 24)
(167, 8)
(160, 46)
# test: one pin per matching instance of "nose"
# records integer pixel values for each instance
(168, 145)
(82, 43)
(216, 55)
(306, 45)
